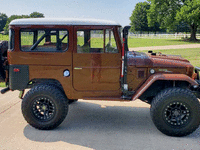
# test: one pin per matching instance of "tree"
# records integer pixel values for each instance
(190, 13)
(32, 15)
(171, 12)
(36, 15)
(156, 27)
(182, 27)
(138, 18)
(3, 19)
(6, 28)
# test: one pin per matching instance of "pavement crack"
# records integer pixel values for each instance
(9, 107)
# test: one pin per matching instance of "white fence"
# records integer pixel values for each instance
(162, 36)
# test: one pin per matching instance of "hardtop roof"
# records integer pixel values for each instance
(62, 21)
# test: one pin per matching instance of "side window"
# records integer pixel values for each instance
(96, 41)
(110, 46)
(80, 42)
(44, 40)
(90, 41)
(26, 40)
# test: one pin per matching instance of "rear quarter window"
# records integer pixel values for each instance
(40, 40)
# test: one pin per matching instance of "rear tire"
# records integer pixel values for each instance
(44, 107)
(3, 53)
(175, 112)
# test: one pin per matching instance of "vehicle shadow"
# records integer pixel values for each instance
(90, 125)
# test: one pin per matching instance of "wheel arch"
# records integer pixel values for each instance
(54, 82)
(155, 83)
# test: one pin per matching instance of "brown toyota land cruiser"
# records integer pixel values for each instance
(62, 60)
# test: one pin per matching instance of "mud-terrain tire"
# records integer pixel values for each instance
(176, 112)
(3, 53)
(4, 48)
(44, 107)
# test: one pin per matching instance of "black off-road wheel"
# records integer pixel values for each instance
(176, 112)
(44, 107)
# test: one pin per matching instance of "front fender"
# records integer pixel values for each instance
(167, 77)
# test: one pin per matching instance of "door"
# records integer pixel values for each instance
(96, 60)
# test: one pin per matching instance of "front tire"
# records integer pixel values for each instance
(44, 107)
(175, 112)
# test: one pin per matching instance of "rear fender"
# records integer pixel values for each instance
(167, 77)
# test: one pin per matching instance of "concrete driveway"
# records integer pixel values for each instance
(89, 125)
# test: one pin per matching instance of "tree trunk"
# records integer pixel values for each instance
(193, 32)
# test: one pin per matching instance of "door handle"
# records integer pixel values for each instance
(78, 68)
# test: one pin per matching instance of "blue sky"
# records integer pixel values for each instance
(116, 10)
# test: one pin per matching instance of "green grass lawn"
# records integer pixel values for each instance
(4, 37)
(144, 42)
(2, 84)
(192, 54)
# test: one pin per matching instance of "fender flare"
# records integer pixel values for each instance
(155, 77)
